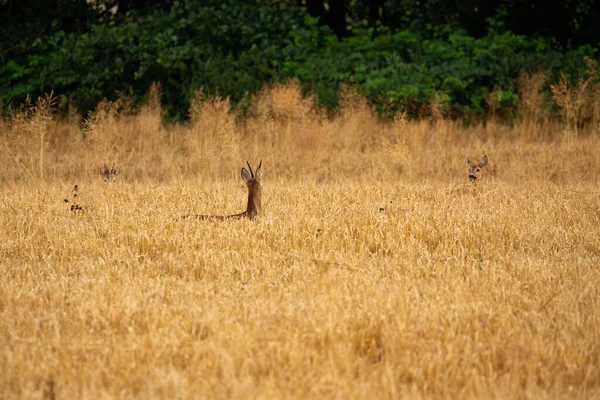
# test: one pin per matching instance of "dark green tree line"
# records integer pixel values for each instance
(402, 54)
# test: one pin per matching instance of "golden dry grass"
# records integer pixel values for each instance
(375, 271)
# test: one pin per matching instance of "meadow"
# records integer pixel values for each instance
(375, 271)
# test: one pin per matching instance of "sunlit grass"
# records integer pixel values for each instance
(376, 271)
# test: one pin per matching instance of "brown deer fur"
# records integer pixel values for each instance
(254, 206)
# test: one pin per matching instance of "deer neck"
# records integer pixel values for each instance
(254, 203)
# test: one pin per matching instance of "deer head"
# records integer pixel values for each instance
(475, 169)
(109, 174)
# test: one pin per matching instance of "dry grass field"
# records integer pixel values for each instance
(375, 271)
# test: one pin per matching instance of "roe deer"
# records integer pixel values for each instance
(475, 169)
(254, 207)
(109, 174)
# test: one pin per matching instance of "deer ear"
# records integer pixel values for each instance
(246, 176)
(483, 161)
(469, 163)
(258, 170)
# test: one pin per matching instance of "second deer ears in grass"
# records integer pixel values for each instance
(482, 163)
(249, 177)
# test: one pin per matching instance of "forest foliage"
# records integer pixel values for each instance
(465, 58)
